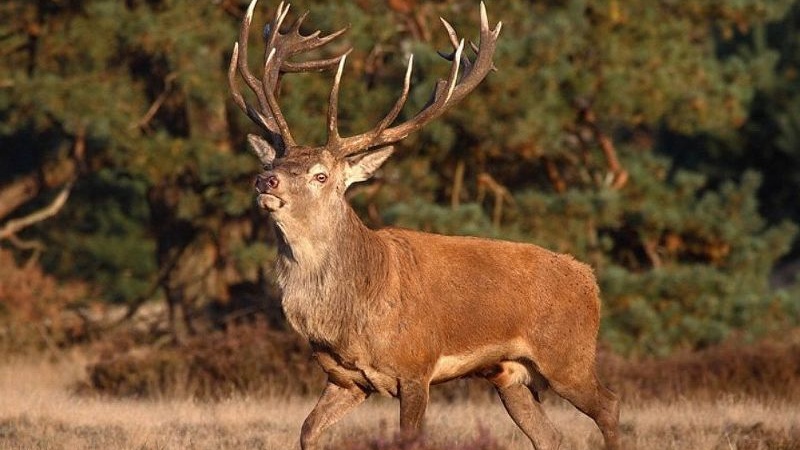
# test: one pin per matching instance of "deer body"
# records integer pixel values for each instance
(424, 291)
(393, 311)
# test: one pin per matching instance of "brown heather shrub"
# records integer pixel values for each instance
(766, 370)
(255, 360)
(34, 308)
(244, 359)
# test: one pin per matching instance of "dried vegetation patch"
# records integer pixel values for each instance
(765, 370)
(244, 360)
(39, 409)
(255, 360)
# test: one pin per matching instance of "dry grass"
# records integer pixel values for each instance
(38, 410)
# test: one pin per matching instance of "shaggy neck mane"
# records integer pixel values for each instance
(343, 244)
(331, 277)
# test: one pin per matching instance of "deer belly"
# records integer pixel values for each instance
(483, 361)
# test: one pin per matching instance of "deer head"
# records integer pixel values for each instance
(303, 187)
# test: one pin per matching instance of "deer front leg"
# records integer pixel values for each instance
(413, 401)
(335, 402)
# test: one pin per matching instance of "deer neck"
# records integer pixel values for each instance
(337, 241)
(330, 274)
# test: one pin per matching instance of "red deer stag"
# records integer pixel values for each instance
(392, 311)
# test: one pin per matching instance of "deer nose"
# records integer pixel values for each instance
(266, 183)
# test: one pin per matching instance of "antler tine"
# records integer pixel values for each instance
(333, 105)
(463, 77)
(271, 77)
(398, 106)
(237, 95)
(297, 43)
(312, 42)
(275, 26)
(454, 71)
(299, 22)
(241, 56)
(270, 83)
(312, 66)
(451, 33)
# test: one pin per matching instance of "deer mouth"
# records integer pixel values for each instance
(270, 202)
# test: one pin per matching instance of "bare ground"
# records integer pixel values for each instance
(39, 411)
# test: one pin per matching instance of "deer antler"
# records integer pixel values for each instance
(280, 46)
(464, 76)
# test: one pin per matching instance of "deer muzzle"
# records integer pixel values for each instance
(265, 186)
(270, 202)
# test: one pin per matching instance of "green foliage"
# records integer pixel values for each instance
(680, 266)
(464, 220)
(107, 245)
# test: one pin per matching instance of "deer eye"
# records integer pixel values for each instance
(321, 178)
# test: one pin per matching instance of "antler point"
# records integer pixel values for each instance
(454, 74)
(248, 17)
(339, 71)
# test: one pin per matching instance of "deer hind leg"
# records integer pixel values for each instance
(593, 399)
(413, 402)
(517, 386)
(335, 402)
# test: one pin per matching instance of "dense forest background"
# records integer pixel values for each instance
(657, 140)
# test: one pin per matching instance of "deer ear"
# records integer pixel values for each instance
(361, 167)
(265, 152)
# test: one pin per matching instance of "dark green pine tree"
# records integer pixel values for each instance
(142, 85)
(769, 140)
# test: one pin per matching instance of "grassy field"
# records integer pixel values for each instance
(39, 410)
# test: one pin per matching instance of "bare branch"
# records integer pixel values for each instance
(14, 226)
(501, 196)
(162, 97)
(617, 176)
